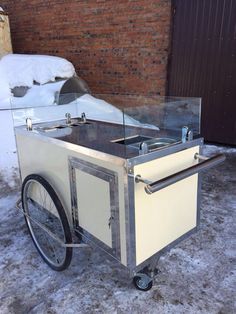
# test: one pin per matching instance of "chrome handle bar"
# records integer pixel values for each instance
(152, 187)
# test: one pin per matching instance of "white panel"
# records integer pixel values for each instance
(93, 200)
(165, 215)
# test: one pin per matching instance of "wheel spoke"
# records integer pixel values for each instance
(39, 204)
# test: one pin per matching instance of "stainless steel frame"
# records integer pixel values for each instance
(129, 183)
(130, 220)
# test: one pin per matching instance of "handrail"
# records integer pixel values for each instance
(152, 187)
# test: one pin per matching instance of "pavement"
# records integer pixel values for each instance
(197, 276)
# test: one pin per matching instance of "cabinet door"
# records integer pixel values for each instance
(166, 215)
(95, 204)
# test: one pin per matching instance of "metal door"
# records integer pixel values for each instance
(203, 62)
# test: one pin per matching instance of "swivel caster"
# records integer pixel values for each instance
(142, 282)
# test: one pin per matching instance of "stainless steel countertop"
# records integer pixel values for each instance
(100, 136)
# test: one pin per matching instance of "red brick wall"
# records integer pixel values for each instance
(117, 46)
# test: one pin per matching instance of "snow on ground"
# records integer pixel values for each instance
(196, 277)
(8, 158)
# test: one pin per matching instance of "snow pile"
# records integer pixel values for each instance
(24, 70)
(38, 96)
(98, 109)
(5, 93)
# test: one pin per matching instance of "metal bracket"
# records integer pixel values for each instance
(138, 179)
(49, 232)
(200, 157)
(187, 134)
(29, 125)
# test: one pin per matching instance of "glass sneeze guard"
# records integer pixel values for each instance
(122, 125)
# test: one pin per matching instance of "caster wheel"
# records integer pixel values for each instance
(142, 282)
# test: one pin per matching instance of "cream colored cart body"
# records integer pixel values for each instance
(134, 196)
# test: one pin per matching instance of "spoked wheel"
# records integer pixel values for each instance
(44, 209)
(142, 282)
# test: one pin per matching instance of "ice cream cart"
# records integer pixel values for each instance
(123, 177)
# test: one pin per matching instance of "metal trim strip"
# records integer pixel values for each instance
(199, 192)
(88, 238)
(130, 219)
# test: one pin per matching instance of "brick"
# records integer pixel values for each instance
(117, 46)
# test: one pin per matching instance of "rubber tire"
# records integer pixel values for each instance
(62, 215)
(135, 282)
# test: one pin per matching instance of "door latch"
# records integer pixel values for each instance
(110, 221)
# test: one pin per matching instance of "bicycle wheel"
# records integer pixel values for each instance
(42, 205)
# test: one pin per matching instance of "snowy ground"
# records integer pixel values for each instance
(195, 277)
